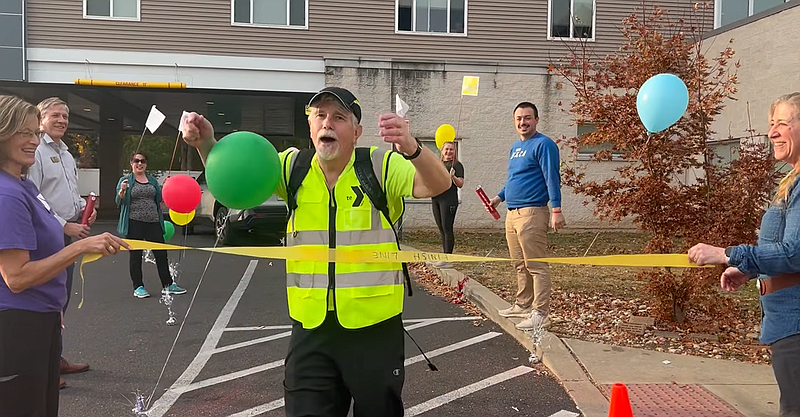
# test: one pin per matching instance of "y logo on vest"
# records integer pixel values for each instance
(359, 197)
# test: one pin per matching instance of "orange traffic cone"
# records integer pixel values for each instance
(620, 403)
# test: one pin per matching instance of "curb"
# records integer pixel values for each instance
(554, 353)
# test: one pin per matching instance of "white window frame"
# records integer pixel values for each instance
(111, 12)
(550, 36)
(718, 11)
(414, 31)
(286, 26)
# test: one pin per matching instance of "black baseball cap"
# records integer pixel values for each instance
(344, 96)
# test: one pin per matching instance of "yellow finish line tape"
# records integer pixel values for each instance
(300, 253)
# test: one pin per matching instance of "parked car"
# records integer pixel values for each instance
(262, 225)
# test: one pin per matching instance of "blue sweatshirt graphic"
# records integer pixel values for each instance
(533, 174)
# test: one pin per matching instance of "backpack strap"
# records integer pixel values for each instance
(368, 178)
(368, 174)
(298, 169)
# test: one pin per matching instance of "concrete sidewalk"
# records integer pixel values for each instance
(659, 384)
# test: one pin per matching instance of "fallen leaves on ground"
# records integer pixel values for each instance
(430, 281)
(590, 303)
(597, 318)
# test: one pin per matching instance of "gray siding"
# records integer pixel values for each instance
(499, 31)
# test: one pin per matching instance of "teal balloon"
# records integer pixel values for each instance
(169, 230)
(242, 170)
(662, 101)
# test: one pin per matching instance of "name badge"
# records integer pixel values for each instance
(55, 159)
(43, 201)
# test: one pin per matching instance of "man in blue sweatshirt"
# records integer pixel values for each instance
(533, 181)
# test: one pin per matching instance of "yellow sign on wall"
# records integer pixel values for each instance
(134, 84)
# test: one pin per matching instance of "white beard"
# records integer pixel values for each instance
(328, 152)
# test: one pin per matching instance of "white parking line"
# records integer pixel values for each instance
(186, 382)
(453, 347)
(252, 342)
(261, 368)
(261, 409)
(254, 328)
(163, 404)
(289, 326)
(565, 413)
(234, 375)
(464, 391)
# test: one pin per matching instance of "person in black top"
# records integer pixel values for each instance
(445, 205)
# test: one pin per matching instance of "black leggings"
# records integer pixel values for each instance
(29, 363)
(150, 232)
(444, 212)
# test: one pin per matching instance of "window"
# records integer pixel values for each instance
(291, 13)
(571, 19)
(729, 11)
(587, 152)
(430, 143)
(111, 9)
(432, 16)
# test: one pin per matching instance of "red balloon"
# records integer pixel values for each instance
(181, 193)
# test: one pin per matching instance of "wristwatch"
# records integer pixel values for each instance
(415, 154)
(728, 252)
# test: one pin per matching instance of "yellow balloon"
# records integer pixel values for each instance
(181, 218)
(445, 133)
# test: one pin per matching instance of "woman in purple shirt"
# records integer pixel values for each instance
(33, 263)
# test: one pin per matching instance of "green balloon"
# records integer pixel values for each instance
(169, 230)
(242, 170)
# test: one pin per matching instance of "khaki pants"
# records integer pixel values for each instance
(526, 234)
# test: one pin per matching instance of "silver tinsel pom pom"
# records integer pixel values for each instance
(147, 255)
(139, 408)
(536, 334)
(174, 271)
(166, 299)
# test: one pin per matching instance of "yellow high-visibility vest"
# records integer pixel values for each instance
(363, 294)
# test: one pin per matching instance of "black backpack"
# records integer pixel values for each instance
(367, 179)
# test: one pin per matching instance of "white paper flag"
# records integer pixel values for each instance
(402, 107)
(154, 119)
(183, 119)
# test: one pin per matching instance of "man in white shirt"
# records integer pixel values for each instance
(56, 176)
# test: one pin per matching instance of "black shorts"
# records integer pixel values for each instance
(329, 366)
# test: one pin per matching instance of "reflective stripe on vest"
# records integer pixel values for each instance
(364, 293)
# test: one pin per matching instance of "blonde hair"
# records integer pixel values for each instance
(13, 113)
(441, 151)
(50, 102)
(786, 183)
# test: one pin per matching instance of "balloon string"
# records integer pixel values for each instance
(174, 151)
(180, 329)
(458, 121)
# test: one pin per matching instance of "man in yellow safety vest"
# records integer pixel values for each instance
(347, 339)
